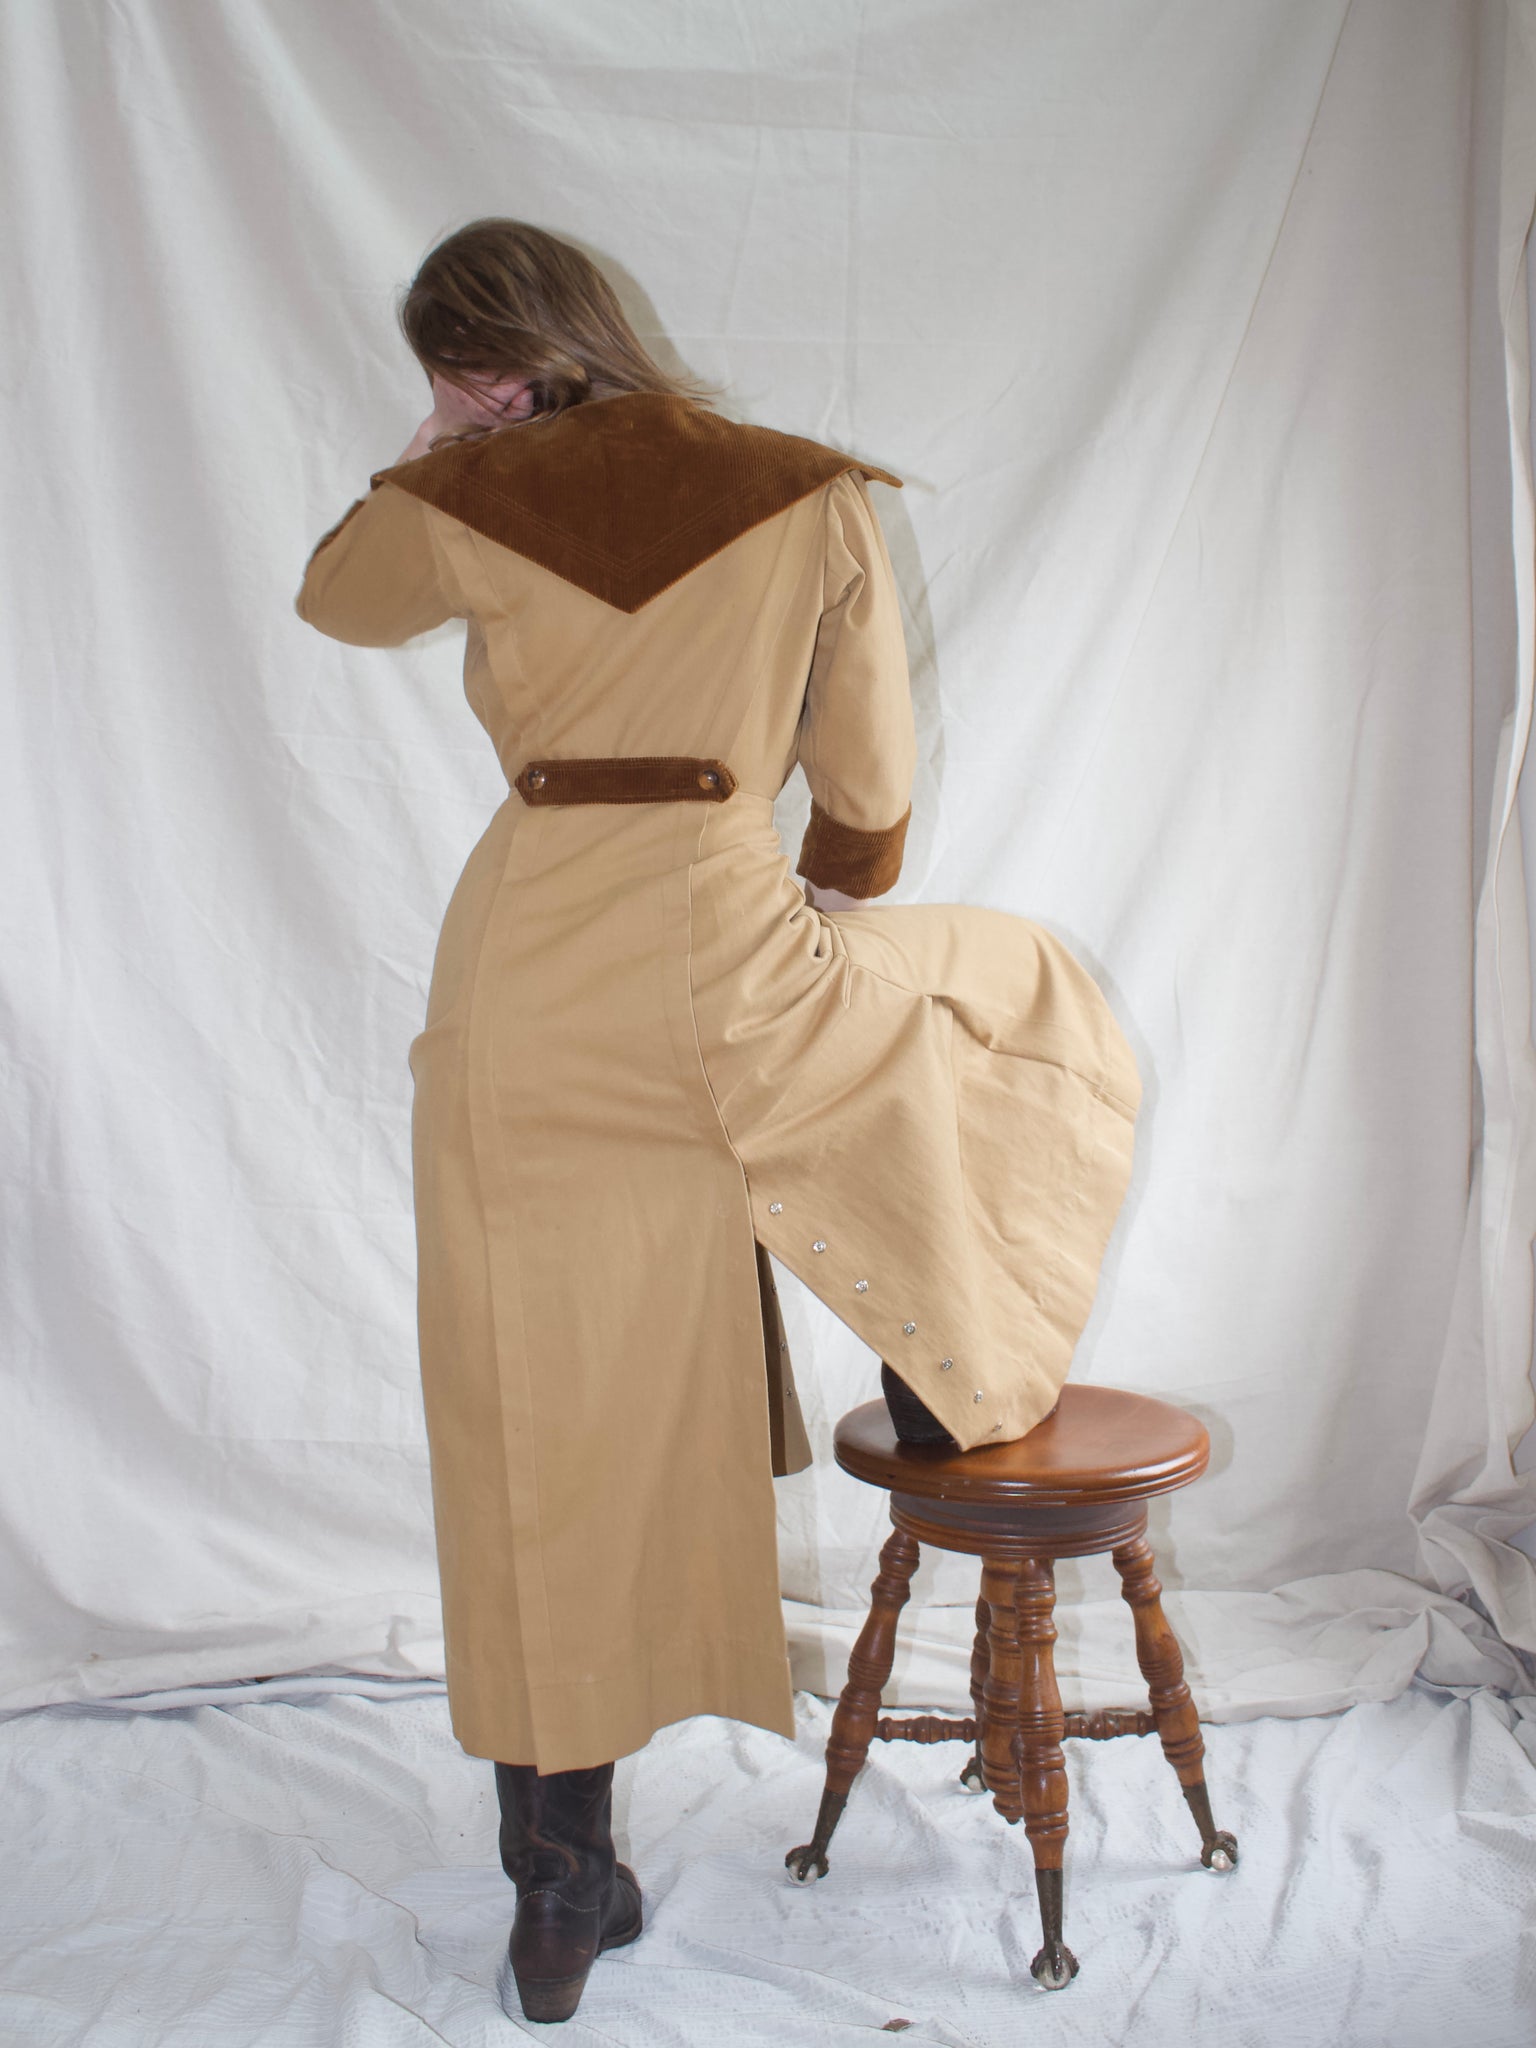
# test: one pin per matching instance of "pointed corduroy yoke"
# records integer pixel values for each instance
(623, 497)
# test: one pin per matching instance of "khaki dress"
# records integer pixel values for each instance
(646, 1057)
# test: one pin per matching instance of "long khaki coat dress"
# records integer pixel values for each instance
(646, 1057)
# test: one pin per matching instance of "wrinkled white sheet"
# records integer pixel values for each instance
(286, 1876)
(1198, 333)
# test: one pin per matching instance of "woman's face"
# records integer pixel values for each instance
(487, 402)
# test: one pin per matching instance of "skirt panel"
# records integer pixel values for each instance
(592, 1322)
(935, 1109)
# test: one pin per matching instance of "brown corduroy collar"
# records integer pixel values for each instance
(623, 496)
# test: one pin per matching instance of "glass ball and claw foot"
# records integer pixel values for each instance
(1018, 1507)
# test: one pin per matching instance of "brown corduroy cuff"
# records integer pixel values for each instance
(859, 863)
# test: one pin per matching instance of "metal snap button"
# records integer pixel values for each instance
(536, 778)
(709, 778)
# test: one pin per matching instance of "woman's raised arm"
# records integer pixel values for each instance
(375, 580)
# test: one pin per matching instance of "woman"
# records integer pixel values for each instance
(650, 1058)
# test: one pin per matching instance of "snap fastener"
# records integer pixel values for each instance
(536, 778)
(709, 778)
(945, 1364)
(907, 1329)
(976, 1397)
(775, 1208)
(820, 1245)
(861, 1287)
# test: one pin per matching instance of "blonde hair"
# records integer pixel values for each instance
(501, 299)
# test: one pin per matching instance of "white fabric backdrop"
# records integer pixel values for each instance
(1199, 334)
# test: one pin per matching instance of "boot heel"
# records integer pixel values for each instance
(552, 1999)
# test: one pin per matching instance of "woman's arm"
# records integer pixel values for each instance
(857, 741)
(375, 579)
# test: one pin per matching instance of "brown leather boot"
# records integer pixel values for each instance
(913, 1420)
(574, 1898)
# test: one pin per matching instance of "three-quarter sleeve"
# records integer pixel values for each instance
(376, 580)
(857, 742)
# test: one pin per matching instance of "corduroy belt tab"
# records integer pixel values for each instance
(625, 779)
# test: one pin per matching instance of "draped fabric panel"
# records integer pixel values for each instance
(1200, 335)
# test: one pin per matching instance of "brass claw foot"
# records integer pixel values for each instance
(809, 1861)
(1217, 1851)
(1220, 1853)
(1054, 1968)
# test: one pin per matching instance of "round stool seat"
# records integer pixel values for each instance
(1101, 1445)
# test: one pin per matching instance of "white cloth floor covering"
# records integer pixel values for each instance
(284, 1875)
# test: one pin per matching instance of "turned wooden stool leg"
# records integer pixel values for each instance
(972, 1776)
(1044, 1774)
(858, 1706)
(999, 1745)
(1178, 1725)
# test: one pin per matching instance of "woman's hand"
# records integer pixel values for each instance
(484, 402)
(421, 441)
(834, 899)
